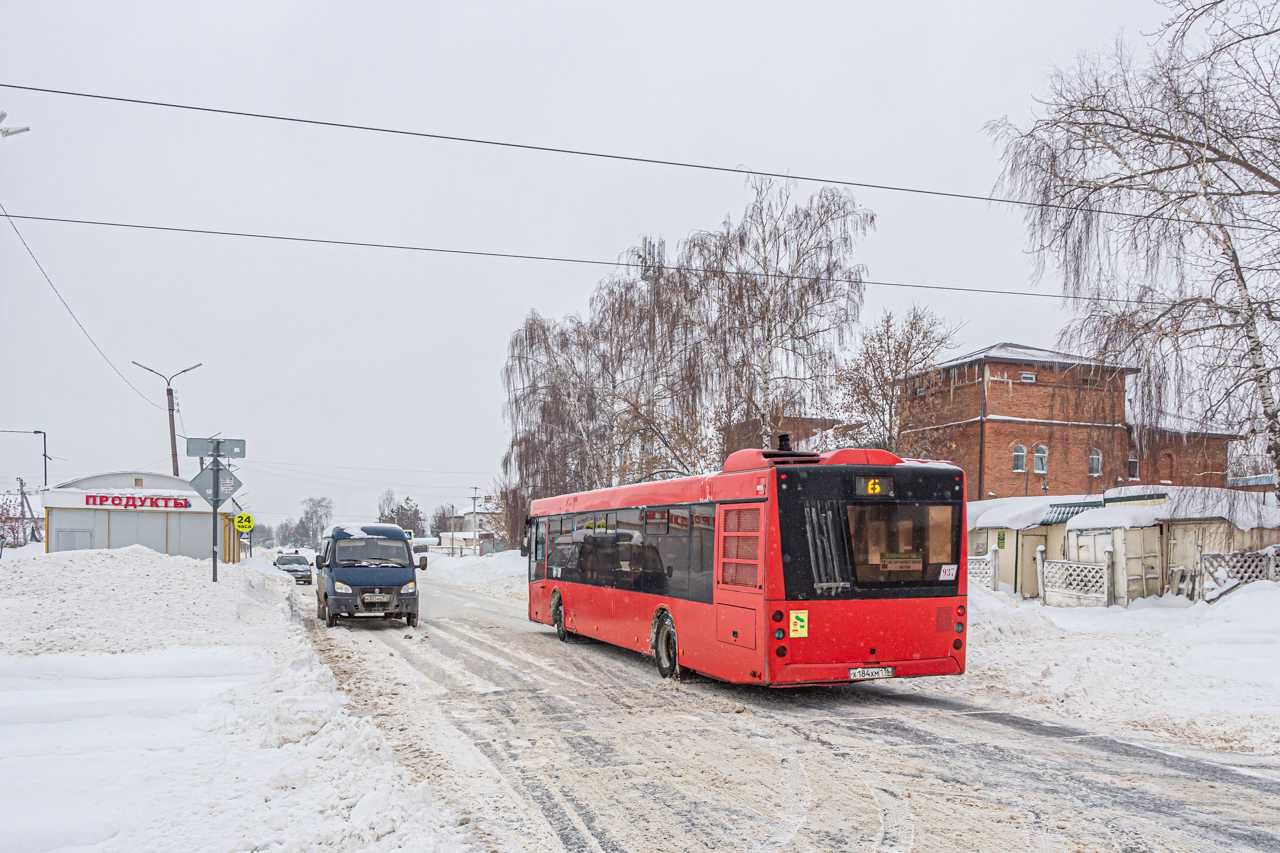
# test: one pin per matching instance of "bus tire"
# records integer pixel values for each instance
(666, 648)
(557, 619)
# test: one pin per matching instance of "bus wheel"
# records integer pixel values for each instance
(557, 619)
(666, 650)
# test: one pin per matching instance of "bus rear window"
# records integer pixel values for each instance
(900, 542)
(841, 539)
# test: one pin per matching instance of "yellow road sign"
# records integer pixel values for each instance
(244, 522)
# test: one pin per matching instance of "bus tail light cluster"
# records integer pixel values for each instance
(958, 644)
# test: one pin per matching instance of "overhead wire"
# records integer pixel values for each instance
(407, 247)
(61, 299)
(579, 152)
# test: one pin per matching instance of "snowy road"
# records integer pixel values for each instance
(581, 747)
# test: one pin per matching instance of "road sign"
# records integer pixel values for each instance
(244, 522)
(408, 533)
(228, 483)
(228, 447)
(244, 537)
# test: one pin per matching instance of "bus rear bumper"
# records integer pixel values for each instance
(796, 674)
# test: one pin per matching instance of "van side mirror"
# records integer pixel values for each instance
(422, 561)
(319, 561)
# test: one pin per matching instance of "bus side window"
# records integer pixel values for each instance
(702, 550)
(540, 550)
(674, 548)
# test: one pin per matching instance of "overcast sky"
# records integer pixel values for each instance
(352, 370)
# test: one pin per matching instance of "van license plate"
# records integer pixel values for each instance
(870, 672)
(377, 599)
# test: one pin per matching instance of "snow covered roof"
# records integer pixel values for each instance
(1011, 353)
(1245, 510)
(125, 480)
(365, 531)
(1026, 512)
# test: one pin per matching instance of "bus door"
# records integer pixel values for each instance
(539, 588)
(739, 576)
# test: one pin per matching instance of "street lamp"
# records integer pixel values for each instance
(10, 131)
(44, 438)
(168, 390)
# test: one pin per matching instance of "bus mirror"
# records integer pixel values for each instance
(524, 547)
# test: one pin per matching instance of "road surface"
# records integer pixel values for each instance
(580, 747)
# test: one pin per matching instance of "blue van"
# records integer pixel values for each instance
(366, 570)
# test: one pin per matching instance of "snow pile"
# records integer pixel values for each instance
(1110, 517)
(504, 575)
(1018, 513)
(1200, 673)
(143, 707)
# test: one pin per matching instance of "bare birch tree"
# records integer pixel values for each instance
(1157, 185)
(773, 297)
(871, 385)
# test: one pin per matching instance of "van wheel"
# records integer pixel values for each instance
(557, 619)
(330, 619)
(666, 649)
(411, 619)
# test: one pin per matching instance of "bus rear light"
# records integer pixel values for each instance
(959, 627)
(782, 651)
(777, 616)
(960, 610)
(958, 644)
(779, 634)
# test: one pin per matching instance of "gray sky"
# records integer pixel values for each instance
(352, 370)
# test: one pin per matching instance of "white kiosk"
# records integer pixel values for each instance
(123, 508)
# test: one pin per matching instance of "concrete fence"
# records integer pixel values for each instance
(985, 571)
(1067, 583)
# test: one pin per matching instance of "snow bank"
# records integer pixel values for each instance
(143, 707)
(1207, 674)
(504, 575)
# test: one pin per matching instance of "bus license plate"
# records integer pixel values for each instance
(870, 672)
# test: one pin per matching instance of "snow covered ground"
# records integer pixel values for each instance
(1208, 674)
(144, 708)
(503, 576)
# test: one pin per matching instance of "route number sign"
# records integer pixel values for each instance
(244, 522)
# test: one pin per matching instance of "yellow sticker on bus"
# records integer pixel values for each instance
(799, 623)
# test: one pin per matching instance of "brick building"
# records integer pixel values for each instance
(1026, 421)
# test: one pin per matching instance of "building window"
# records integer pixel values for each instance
(1095, 463)
(1133, 465)
(1019, 458)
(1028, 377)
(1089, 381)
(1040, 463)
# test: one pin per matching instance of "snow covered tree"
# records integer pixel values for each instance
(1155, 185)
(317, 514)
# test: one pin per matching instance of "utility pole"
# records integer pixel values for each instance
(453, 525)
(168, 389)
(475, 518)
(653, 255)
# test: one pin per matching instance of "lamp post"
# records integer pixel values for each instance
(168, 390)
(43, 436)
(10, 131)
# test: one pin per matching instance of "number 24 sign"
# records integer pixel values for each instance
(243, 522)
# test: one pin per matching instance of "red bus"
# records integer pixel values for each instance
(786, 568)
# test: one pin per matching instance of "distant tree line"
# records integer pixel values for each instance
(305, 531)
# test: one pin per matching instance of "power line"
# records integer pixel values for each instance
(577, 152)
(40, 267)
(366, 468)
(548, 258)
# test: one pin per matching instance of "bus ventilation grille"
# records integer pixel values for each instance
(740, 547)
